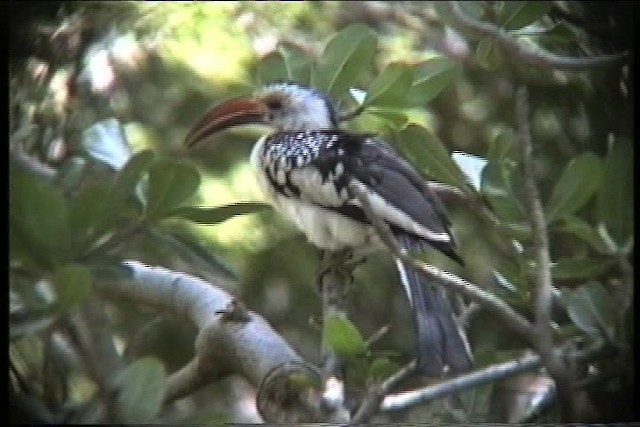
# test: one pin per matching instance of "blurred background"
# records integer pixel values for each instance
(156, 67)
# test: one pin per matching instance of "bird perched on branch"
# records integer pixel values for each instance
(305, 168)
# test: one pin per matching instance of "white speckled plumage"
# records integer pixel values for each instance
(304, 168)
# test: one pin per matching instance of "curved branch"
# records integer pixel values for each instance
(231, 339)
(529, 54)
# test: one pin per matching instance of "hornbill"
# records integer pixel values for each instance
(304, 168)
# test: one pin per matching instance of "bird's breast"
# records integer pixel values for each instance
(304, 194)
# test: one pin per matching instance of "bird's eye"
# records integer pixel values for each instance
(274, 104)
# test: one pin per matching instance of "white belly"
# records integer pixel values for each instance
(323, 227)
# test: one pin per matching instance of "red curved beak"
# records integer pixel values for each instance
(230, 113)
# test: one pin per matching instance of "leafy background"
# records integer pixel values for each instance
(87, 93)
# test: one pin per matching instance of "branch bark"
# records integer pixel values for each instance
(559, 371)
(231, 339)
(487, 375)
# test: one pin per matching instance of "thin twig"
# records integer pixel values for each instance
(487, 375)
(188, 379)
(529, 54)
(371, 404)
(114, 240)
(489, 301)
(353, 114)
(536, 218)
(558, 370)
(377, 335)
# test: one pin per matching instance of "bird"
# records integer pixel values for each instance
(305, 166)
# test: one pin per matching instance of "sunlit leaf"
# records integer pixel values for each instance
(343, 337)
(391, 87)
(590, 307)
(142, 387)
(431, 78)
(215, 215)
(471, 165)
(615, 199)
(394, 117)
(170, 184)
(73, 285)
(578, 183)
(428, 152)
(518, 14)
(346, 56)
(38, 216)
(107, 142)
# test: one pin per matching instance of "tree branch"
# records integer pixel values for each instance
(528, 54)
(334, 282)
(231, 339)
(558, 370)
(376, 394)
(485, 376)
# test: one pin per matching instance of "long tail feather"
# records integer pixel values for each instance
(440, 341)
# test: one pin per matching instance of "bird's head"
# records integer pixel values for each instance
(283, 106)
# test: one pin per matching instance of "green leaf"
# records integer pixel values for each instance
(577, 268)
(391, 87)
(297, 64)
(200, 255)
(97, 206)
(345, 57)
(578, 183)
(90, 216)
(38, 217)
(584, 231)
(73, 285)
(432, 77)
(272, 68)
(392, 117)
(382, 368)
(501, 145)
(220, 213)
(590, 307)
(425, 150)
(615, 199)
(170, 184)
(343, 337)
(487, 55)
(143, 385)
(128, 177)
(518, 14)
(500, 187)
